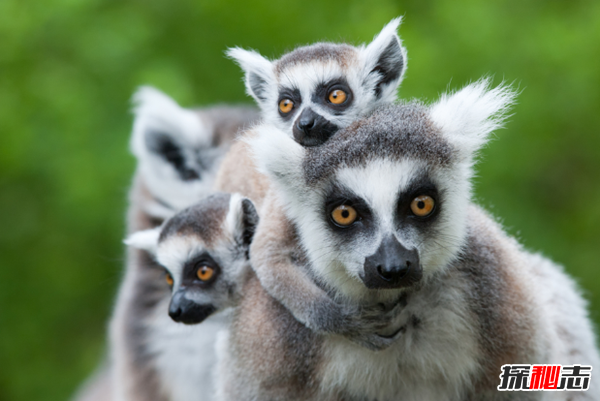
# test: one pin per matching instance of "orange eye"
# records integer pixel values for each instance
(169, 279)
(422, 205)
(286, 105)
(205, 273)
(337, 96)
(344, 215)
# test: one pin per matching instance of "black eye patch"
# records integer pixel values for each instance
(192, 267)
(337, 196)
(294, 95)
(422, 186)
(322, 91)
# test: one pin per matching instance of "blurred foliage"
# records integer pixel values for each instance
(69, 67)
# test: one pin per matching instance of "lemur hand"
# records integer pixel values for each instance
(372, 327)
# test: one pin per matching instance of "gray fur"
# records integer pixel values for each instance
(391, 132)
(205, 220)
(318, 52)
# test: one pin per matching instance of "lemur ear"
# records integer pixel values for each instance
(468, 116)
(165, 135)
(146, 240)
(385, 62)
(258, 70)
(242, 219)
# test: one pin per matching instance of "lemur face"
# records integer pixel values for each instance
(390, 220)
(385, 204)
(204, 250)
(313, 91)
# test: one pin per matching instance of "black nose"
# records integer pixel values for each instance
(394, 272)
(185, 311)
(312, 129)
(306, 122)
(392, 266)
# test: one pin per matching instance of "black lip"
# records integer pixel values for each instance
(376, 283)
(183, 310)
(199, 314)
(320, 132)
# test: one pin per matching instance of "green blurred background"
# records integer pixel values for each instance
(68, 69)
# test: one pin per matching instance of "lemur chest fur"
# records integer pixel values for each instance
(436, 355)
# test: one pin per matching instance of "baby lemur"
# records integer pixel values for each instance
(315, 90)
(205, 251)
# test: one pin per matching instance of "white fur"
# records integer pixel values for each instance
(468, 116)
(253, 63)
(174, 251)
(276, 154)
(234, 222)
(185, 355)
(431, 364)
(146, 240)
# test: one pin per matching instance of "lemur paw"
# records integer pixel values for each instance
(374, 327)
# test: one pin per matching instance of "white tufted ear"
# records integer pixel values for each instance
(258, 70)
(242, 219)
(468, 116)
(165, 136)
(162, 127)
(173, 146)
(146, 240)
(385, 62)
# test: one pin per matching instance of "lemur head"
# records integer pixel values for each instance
(385, 205)
(204, 250)
(315, 90)
(176, 150)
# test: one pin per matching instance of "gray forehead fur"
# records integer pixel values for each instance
(391, 132)
(321, 52)
(204, 219)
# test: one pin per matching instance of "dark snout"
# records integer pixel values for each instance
(312, 129)
(392, 266)
(183, 310)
